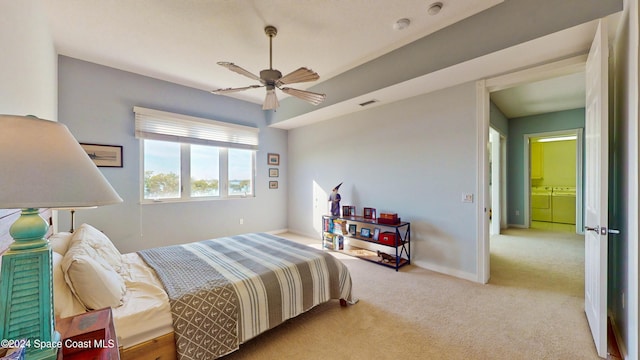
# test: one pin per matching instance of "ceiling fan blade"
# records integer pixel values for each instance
(271, 101)
(237, 69)
(232, 90)
(311, 97)
(303, 74)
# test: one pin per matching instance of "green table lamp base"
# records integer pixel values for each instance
(26, 288)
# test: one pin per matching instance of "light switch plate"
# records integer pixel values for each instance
(467, 197)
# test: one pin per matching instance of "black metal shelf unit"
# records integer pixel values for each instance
(401, 241)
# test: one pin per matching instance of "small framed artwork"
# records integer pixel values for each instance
(346, 210)
(369, 213)
(376, 234)
(353, 229)
(273, 159)
(274, 172)
(273, 184)
(365, 232)
(104, 155)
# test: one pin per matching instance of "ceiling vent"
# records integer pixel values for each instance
(366, 103)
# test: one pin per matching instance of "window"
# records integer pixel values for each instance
(186, 158)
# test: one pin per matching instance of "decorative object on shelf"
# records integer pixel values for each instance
(387, 238)
(365, 232)
(104, 155)
(273, 184)
(384, 257)
(348, 210)
(369, 213)
(388, 218)
(335, 198)
(274, 172)
(376, 233)
(43, 166)
(353, 229)
(340, 226)
(273, 159)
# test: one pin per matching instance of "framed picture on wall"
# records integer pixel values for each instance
(273, 184)
(104, 155)
(274, 172)
(273, 159)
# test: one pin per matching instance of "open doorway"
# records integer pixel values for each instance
(553, 180)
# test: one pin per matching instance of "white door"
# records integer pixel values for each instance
(596, 186)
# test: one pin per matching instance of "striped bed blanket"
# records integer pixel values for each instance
(225, 291)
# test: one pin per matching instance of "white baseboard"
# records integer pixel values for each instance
(519, 226)
(279, 231)
(446, 270)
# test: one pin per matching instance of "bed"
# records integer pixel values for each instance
(193, 301)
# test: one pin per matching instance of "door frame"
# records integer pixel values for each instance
(579, 174)
(483, 89)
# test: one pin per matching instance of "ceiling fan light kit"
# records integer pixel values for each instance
(271, 79)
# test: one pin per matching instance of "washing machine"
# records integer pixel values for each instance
(563, 202)
(541, 203)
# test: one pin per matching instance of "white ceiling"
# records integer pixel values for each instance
(540, 97)
(181, 40)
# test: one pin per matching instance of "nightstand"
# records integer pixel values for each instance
(88, 336)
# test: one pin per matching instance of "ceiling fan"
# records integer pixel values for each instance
(272, 79)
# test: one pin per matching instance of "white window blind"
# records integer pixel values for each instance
(165, 126)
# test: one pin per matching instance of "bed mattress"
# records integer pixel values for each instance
(145, 314)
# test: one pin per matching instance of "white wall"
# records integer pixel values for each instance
(28, 63)
(415, 157)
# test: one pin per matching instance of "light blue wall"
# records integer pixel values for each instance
(414, 157)
(96, 103)
(518, 127)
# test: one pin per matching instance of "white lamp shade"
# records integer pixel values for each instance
(43, 166)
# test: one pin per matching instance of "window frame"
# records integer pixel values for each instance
(185, 177)
(187, 130)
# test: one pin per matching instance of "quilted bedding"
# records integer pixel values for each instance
(225, 291)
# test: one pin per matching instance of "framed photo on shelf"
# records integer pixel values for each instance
(273, 159)
(369, 213)
(104, 155)
(348, 210)
(274, 172)
(376, 234)
(365, 232)
(353, 229)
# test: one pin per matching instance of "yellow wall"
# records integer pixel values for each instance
(558, 164)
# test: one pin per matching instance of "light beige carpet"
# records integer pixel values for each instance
(531, 309)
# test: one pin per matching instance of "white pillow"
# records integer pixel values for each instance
(91, 279)
(60, 242)
(103, 246)
(64, 303)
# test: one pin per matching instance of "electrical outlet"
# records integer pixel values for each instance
(467, 197)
